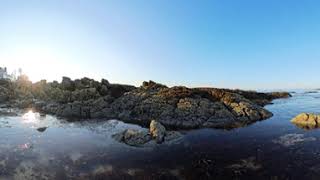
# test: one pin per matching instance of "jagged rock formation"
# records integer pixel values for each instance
(182, 107)
(175, 107)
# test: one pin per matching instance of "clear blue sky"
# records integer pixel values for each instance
(253, 44)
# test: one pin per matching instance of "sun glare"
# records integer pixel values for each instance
(36, 63)
(29, 117)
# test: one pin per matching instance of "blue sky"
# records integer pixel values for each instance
(249, 44)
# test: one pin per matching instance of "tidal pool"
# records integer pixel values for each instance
(45, 147)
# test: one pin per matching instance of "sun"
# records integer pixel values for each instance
(37, 63)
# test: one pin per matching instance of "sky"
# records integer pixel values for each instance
(249, 44)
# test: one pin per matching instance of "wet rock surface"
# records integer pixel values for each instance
(176, 107)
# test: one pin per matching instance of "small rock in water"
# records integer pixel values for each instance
(307, 120)
(42, 129)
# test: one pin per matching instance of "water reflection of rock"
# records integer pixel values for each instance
(101, 169)
(293, 139)
(30, 171)
(76, 156)
(311, 92)
(314, 172)
(108, 171)
(5, 124)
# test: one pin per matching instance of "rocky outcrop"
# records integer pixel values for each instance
(174, 107)
(307, 120)
(182, 107)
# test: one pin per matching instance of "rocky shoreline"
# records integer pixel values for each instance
(174, 107)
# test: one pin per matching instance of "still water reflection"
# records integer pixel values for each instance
(33, 146)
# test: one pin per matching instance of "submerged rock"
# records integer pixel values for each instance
(133, 137)
(293, 139)
(307, 120)
(29, 171)
(246, 164)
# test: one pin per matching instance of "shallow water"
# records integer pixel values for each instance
(270, 149)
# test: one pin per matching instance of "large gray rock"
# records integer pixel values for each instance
(157, 135)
